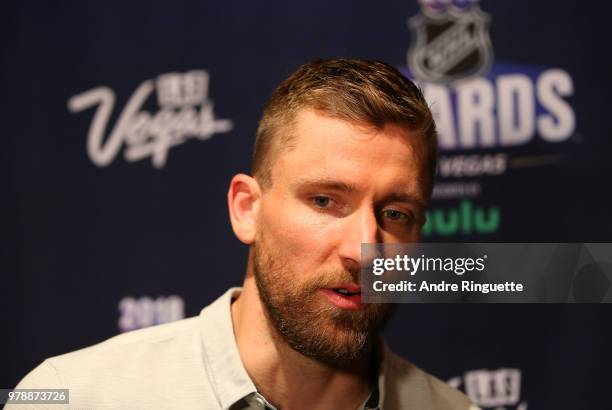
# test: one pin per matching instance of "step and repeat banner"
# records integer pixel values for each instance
(124, 122)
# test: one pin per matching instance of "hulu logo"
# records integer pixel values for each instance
(465, 219)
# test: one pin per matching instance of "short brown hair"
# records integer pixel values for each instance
(360, 91)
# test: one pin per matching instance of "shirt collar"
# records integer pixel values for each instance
(380, 384)
(227, 374)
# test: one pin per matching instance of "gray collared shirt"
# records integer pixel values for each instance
(194, 364)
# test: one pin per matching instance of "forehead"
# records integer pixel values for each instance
(326, 148)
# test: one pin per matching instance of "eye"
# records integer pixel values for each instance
(396, 215)
(321, 201)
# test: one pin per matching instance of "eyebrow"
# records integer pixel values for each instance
(406, 197)
(324, 183)
(334, 185)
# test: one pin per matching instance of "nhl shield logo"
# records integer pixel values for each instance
(450, 41)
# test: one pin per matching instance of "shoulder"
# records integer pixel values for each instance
(164, 366)
(143, 363)
(407, 386)
(153, 344)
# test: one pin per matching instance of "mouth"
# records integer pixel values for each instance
(345, 292)
(347, 296)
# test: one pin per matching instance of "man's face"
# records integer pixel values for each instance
(339, 185)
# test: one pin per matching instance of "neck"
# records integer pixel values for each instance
(284, 376)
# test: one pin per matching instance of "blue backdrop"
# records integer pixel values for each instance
(123, 123)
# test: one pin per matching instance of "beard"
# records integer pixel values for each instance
(306, 321)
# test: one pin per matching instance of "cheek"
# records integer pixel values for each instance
(415, 235)
(297, 232)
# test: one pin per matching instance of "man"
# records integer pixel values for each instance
(344, 155)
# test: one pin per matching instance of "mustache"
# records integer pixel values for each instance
(330, 279)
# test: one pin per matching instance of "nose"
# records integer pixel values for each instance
(360, 227)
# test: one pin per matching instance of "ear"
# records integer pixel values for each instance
(243, 202)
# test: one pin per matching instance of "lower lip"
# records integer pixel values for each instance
(343, 302)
